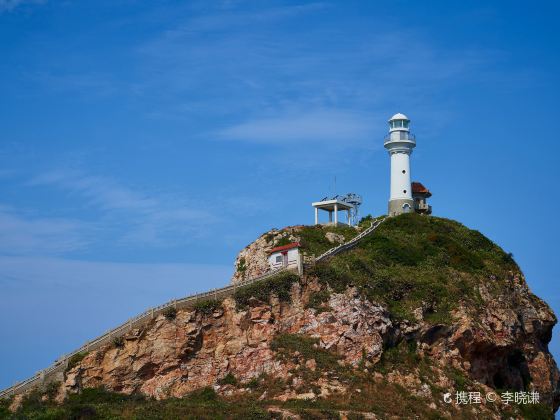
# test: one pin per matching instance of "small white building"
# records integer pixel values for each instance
(285, 256)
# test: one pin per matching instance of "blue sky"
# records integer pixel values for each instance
(142, 144)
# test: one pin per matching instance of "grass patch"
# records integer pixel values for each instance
(118, 342)
(401, 356)
(318, 301)
(280, 285)
(229, 379)
(413, 260)
(75, 359)
(536, 411)
(283, 240)
(314, 242)
(170, 313)
(97, 403)
(207, 306)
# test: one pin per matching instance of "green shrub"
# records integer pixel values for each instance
(253, 383)
(254, 412)
(229, 379)
(328, 275)
(101, 396)
(118, 342)
(284, 240)
(207, 306)
(242, 265)
(314, 242)
(75, 359)
(279, 285)
(170, 313)
(413, 260)
(203, 395)
(52, 389)
(285, 345)
(402, 355)
(318, 299)
(536, 411)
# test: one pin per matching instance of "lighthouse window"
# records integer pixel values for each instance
(405, 124)
(403, 171)
(404, 191)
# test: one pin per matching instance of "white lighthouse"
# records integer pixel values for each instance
(399, 143)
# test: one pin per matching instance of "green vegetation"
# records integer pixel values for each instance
(4, 407)
(118, 342)
(279, 285)
(207, 306)
(318, 301)
(170, 313)
(284, 240)
(313, 239)
(97, 403)
(242, 265)
(75, 359)
(229, 379)
(536, 411)
(413, 260)
(285, 345)
(402, 356)
(410, 261)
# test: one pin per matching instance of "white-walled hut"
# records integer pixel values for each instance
(285, 256)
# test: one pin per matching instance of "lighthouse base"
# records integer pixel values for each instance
(400, 206)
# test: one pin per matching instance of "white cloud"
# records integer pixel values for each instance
(321, 126)
(7, 5)
(142, 218)
(29, 235)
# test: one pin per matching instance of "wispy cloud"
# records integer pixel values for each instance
(7, 5)
(41, 236)
(320, 126)
(274, 86)
(148, 219)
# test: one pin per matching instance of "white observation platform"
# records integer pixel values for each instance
(333, 206)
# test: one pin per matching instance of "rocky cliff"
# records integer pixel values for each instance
(421, 308)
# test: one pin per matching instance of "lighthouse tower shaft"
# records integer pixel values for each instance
(399, 143)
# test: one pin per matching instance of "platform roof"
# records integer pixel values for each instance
(329, 205)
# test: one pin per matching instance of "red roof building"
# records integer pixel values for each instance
(419, 194)
(285, 247)
(419, 188)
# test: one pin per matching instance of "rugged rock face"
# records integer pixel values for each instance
(171, 358)
(252, 261)
(174, 357)
(383, 343)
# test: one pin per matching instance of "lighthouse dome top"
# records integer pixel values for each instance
(399, 122)
(399, 116)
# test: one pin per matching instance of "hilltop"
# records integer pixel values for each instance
(421, 307)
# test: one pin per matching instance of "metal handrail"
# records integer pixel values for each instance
(150, 313)
(410, 137)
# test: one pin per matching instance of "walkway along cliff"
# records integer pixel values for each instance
(381, 325)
